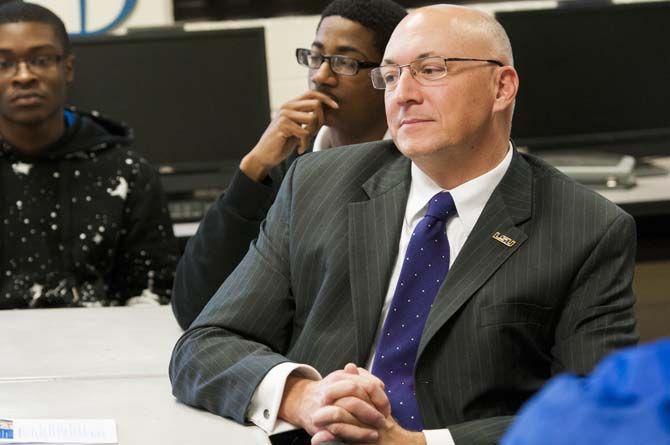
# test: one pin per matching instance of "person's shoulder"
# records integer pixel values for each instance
(347, 167)
(361, 155)
(126, 157)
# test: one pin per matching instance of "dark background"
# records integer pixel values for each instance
(191, 105)
(593, 75)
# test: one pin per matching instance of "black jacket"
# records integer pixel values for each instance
(222, 240)
(83, 223)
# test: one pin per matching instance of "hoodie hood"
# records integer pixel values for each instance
(85, 133)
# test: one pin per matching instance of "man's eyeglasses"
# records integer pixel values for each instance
(426, 71)
(38, 64)
(338, 64)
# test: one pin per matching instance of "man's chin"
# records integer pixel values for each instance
(413, 147)
(28, 117)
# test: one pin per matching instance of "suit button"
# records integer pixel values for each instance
(266, 413)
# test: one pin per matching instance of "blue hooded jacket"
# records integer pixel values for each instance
(625, 400)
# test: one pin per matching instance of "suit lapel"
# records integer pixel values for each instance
(374, 233)
(495, 237)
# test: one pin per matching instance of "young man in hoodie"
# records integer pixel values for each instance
(83, 220)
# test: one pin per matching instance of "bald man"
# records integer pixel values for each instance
(420, 290)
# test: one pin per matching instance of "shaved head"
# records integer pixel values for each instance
(471, 27)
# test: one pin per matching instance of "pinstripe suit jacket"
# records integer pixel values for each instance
(507, 317)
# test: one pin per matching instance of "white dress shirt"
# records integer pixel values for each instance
(470, 199)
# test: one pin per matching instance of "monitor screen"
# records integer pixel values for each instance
(592, 76)
(196, 100)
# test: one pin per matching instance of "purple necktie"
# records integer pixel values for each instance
(424, 268)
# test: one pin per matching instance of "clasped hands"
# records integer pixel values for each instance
(348, 405)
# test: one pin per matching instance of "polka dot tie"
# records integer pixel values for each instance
(424, 268)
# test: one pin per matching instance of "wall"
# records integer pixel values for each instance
(100, 13)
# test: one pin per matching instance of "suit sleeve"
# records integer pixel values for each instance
(147, 250)
(598, 316)
(245, 329)
(219, 245)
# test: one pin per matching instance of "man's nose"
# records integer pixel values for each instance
(406, 89)
(323, 74)
(23, 72)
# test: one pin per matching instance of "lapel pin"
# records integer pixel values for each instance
(506, 240)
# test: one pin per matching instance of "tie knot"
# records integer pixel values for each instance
(441, 206)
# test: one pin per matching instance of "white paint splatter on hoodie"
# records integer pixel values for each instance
(121, 190)
(36, 291)
(21, 168)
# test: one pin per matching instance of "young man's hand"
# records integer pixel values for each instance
(296, 122)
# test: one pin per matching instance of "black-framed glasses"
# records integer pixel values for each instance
(37, 64)
(425, 70)
(338, 64)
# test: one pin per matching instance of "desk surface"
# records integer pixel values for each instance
(648, 188)
(143, 407)
(87, 342)
(104, 363)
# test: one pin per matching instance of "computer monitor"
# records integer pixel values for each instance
(594, 76)
(196, 100)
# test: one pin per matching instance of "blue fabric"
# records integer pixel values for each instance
(423, 271)
(69, 118)
(626, 400)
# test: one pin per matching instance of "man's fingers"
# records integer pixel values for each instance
(344, 388)
(353, 433)
(322, 436)
(378, 397)
(303, 144)
(373, 389)
(316, 95)
(320, 118)
(364, 412)
(308, 118)
(326, 415)
(351, 368)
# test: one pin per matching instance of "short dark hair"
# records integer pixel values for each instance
(379, 16)
(19, 11)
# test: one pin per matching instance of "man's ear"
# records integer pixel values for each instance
(507, 86)
(69, 68)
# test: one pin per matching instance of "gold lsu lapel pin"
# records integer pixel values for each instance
(506, 240)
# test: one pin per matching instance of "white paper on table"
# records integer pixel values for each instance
(58, 431)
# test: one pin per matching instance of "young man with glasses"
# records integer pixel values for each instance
(435, 281)
(340, 108)
(83, 219)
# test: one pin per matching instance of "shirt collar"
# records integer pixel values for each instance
(324, 139)
(469, 197)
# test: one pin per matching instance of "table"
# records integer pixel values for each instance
(143, 407)
(104, 363)
(87, 342)
(650, 196)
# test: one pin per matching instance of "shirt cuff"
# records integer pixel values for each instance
(264, 406)
(441, 437)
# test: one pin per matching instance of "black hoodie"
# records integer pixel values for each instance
(83, 223)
